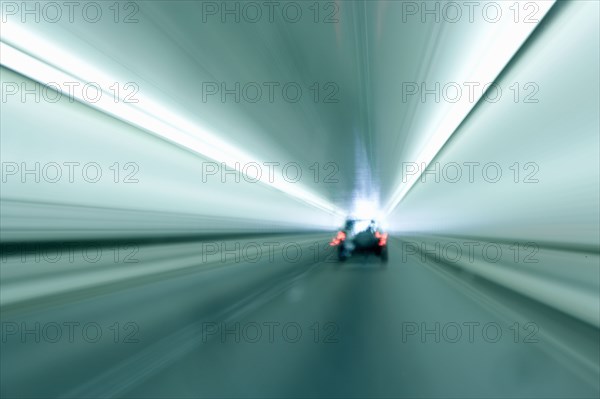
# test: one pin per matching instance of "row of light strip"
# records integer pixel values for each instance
(153, 117)
(507, 41)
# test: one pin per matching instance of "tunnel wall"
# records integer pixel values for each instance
(546, 151)
(146, 186)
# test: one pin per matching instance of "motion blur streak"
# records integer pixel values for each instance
(178, 245)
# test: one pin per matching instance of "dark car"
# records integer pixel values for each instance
(360, 236)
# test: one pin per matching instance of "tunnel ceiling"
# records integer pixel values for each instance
(355, 68)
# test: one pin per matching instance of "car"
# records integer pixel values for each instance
(360, 236)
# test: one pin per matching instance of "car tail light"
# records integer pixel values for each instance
(382, 238)
(341, 236)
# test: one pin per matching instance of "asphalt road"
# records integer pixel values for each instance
(281, 324)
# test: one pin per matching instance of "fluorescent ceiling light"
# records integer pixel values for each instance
(21, 56)
(501, 45)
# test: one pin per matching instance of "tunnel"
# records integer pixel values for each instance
(300, 199)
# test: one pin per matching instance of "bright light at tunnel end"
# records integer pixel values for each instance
(368, 209)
